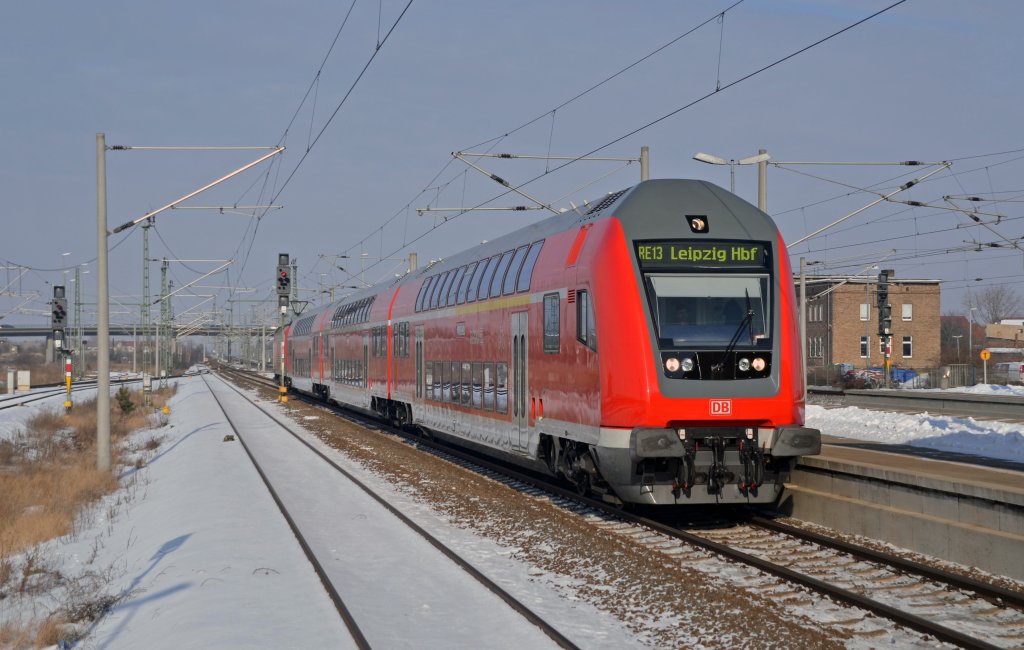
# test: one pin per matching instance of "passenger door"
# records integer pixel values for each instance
(419, 362)
(520, 433)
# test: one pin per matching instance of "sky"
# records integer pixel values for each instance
(370, 99)
(198, 554)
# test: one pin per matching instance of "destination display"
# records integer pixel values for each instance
(704, 254)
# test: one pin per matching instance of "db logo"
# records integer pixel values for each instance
(721, 407)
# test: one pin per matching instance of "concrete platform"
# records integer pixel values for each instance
(959, 508)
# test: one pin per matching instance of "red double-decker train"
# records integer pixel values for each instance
(646, 349)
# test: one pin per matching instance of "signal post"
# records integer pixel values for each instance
(885, 321)
(58, 323)
(283, 287)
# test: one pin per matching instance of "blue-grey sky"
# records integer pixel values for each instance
(929, 80)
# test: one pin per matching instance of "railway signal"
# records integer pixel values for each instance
(59, 315)
(884, 319)
(883, 286)
(284, 279)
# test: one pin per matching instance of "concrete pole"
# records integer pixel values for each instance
(645, 163)
(762, 183)
(102, 312)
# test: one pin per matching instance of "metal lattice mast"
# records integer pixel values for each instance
(163, 316)
(144, 308)
(169, 329)
(77, 327)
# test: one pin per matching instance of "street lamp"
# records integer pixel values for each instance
(761, 160)
(970, 342)
(958, 337)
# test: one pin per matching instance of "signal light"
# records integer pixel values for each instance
(284, 275)
(883, 286)
(59, 313)
(884, 319)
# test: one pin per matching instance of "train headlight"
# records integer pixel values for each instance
(744, 364)
(672, 364)
(758, 364)
(687, 364)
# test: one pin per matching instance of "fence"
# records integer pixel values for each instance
(846, 376)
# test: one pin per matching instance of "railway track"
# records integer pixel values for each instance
(9, 401)
(948, 607)
(344, 608)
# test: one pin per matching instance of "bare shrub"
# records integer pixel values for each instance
(8, 452)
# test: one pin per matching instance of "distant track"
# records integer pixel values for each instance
(508, 598)
(9, 401)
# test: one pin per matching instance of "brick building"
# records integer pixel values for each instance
(842, 323)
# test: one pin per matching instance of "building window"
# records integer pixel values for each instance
(865, 311)
(864, 347)
(908, 311)
(908, 347)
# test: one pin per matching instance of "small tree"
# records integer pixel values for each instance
(124, 400)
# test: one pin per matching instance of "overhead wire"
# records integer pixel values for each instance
(676, 111)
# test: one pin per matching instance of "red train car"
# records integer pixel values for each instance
(646, 349)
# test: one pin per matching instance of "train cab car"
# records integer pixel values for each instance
(646, 349)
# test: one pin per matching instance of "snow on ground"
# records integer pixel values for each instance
(185, 541)
(939, 432)
(988, 438)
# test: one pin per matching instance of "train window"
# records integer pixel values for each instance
(501, 394)
(711, 309)
(499, 274)
(478, 381)
(423, 291)
(586, 327)
(449, 278)
(426, 294)
(485, 279)
(467, 280)
(474, 281)
(488, 386)
(456, 378)
(454, 289)
(526, 275)
(428, 380)
(467, 383)
(435, 292)
(446, 377)
(552, 324)
(509, 286)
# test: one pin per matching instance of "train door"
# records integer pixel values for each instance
(419, 362)
(520, 416)
(366, 360)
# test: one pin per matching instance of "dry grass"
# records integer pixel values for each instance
(34, 635)
(48, 477)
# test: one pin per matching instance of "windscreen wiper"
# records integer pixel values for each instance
(748, 318)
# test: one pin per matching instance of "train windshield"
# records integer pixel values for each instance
(711, 310)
